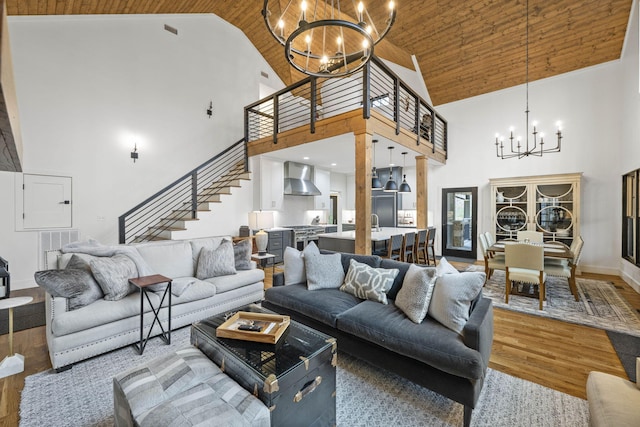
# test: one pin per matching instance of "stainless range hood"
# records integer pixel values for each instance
(298, 180)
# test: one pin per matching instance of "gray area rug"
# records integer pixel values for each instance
(600, 304)
(627, 348)
(366, 396)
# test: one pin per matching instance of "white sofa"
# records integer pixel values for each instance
(613, 401)
(104, 325)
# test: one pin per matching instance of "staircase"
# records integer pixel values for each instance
(173, 207)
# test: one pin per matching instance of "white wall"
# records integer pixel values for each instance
(630, 141)
(589, 104)
(89, 87)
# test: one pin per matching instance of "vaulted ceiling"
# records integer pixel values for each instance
(463, 47)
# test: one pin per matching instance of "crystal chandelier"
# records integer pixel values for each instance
(324, 38)
(516, 147)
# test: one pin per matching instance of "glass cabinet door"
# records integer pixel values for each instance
(511, 210)
(554, 211)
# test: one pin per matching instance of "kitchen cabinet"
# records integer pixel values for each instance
(350, 199)
(546, 203)
(278, 241)
(408, 200)
(269, 191)
(322, 180)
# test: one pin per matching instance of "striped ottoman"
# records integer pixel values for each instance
(183, 388)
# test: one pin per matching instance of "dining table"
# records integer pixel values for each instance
(551, 250)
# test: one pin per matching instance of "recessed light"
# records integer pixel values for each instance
(334, 164)
(305, 158)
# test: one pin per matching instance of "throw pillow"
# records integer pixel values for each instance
(415, 294)
(294, 271)
(242, 254)
(78, 286)
(323, 271)
(452, 296)
(370, 283)
(93, 291)
(444, 267)
(216, 262)
(113, 274)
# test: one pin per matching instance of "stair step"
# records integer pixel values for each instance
(167, 228)
(149, 238)
(213, 198)
(215, 190)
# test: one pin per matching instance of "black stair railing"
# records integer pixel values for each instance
(179, 200)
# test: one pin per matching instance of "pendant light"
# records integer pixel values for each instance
(404, 187)
(391, 186)
(376, 183)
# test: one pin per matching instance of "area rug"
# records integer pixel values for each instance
(600, 305)
(627, 348)
(365, 396)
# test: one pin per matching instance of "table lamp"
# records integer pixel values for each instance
(260, 221)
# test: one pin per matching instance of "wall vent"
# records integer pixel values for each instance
(171, 29)
(54, 240)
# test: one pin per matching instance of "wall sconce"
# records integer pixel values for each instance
(210, 109)
(134, 153)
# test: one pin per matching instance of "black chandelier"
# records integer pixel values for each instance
(516, 147)
(323, 39)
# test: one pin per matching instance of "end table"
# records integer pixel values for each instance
(14, 362)
(143, 284)
(263, 261)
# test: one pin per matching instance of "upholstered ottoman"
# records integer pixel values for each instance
(613, 401)
(183, 388)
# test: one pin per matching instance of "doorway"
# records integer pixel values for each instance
(459, 219)
(333, 209)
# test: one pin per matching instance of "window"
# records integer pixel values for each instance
(631, 217)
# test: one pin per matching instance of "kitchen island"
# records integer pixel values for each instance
(345, 241)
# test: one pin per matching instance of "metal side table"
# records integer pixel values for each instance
(143, 284)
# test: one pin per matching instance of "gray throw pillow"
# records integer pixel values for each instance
(113, 274)
(294, 271)
(452, 298)
(216, 262)
(242, 254)
(93, 291)
(445, 268)
(323, 271)
(415, 294)
(78, 286)
(370, 283)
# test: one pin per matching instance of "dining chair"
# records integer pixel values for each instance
(408, 247)
(394, 248)
(566, 268)
(489, 237)
(491, 261)
(431, 241)
(533, 236)
(421, 247)
(525, 263)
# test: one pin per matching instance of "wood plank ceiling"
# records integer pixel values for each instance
(463, 48)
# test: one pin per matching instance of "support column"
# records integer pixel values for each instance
(422, 204)
(363, 193)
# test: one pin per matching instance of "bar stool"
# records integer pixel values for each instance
(408, 247)
(421, 247)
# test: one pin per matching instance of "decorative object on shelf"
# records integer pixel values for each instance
(391, 186)
(260, 221)
(5, 279)
(134, 153)
(376, 183)
(404, 187)
(519, 150)
(323, 40)
(210, 109)
(499, 197)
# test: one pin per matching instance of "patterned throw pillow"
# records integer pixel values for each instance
(415, 294)
(452, 298)
(294, 271)
(113, 274)
(216, 262)
(367, 282)
(323, 271)
(242, 254)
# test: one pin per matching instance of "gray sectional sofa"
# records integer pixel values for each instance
(101, 326)
(428, 353)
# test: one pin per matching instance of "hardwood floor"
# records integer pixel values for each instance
(549, 352)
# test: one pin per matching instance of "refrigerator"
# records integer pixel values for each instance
(385, 205)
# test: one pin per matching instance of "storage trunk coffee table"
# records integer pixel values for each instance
(295, 378)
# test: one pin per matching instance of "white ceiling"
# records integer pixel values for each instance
(337, 154)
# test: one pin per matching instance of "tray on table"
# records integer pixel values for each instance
(272, 327)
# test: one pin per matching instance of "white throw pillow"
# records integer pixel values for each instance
(415, 294)
(452, 296)
(294, 271)
(444, 267)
